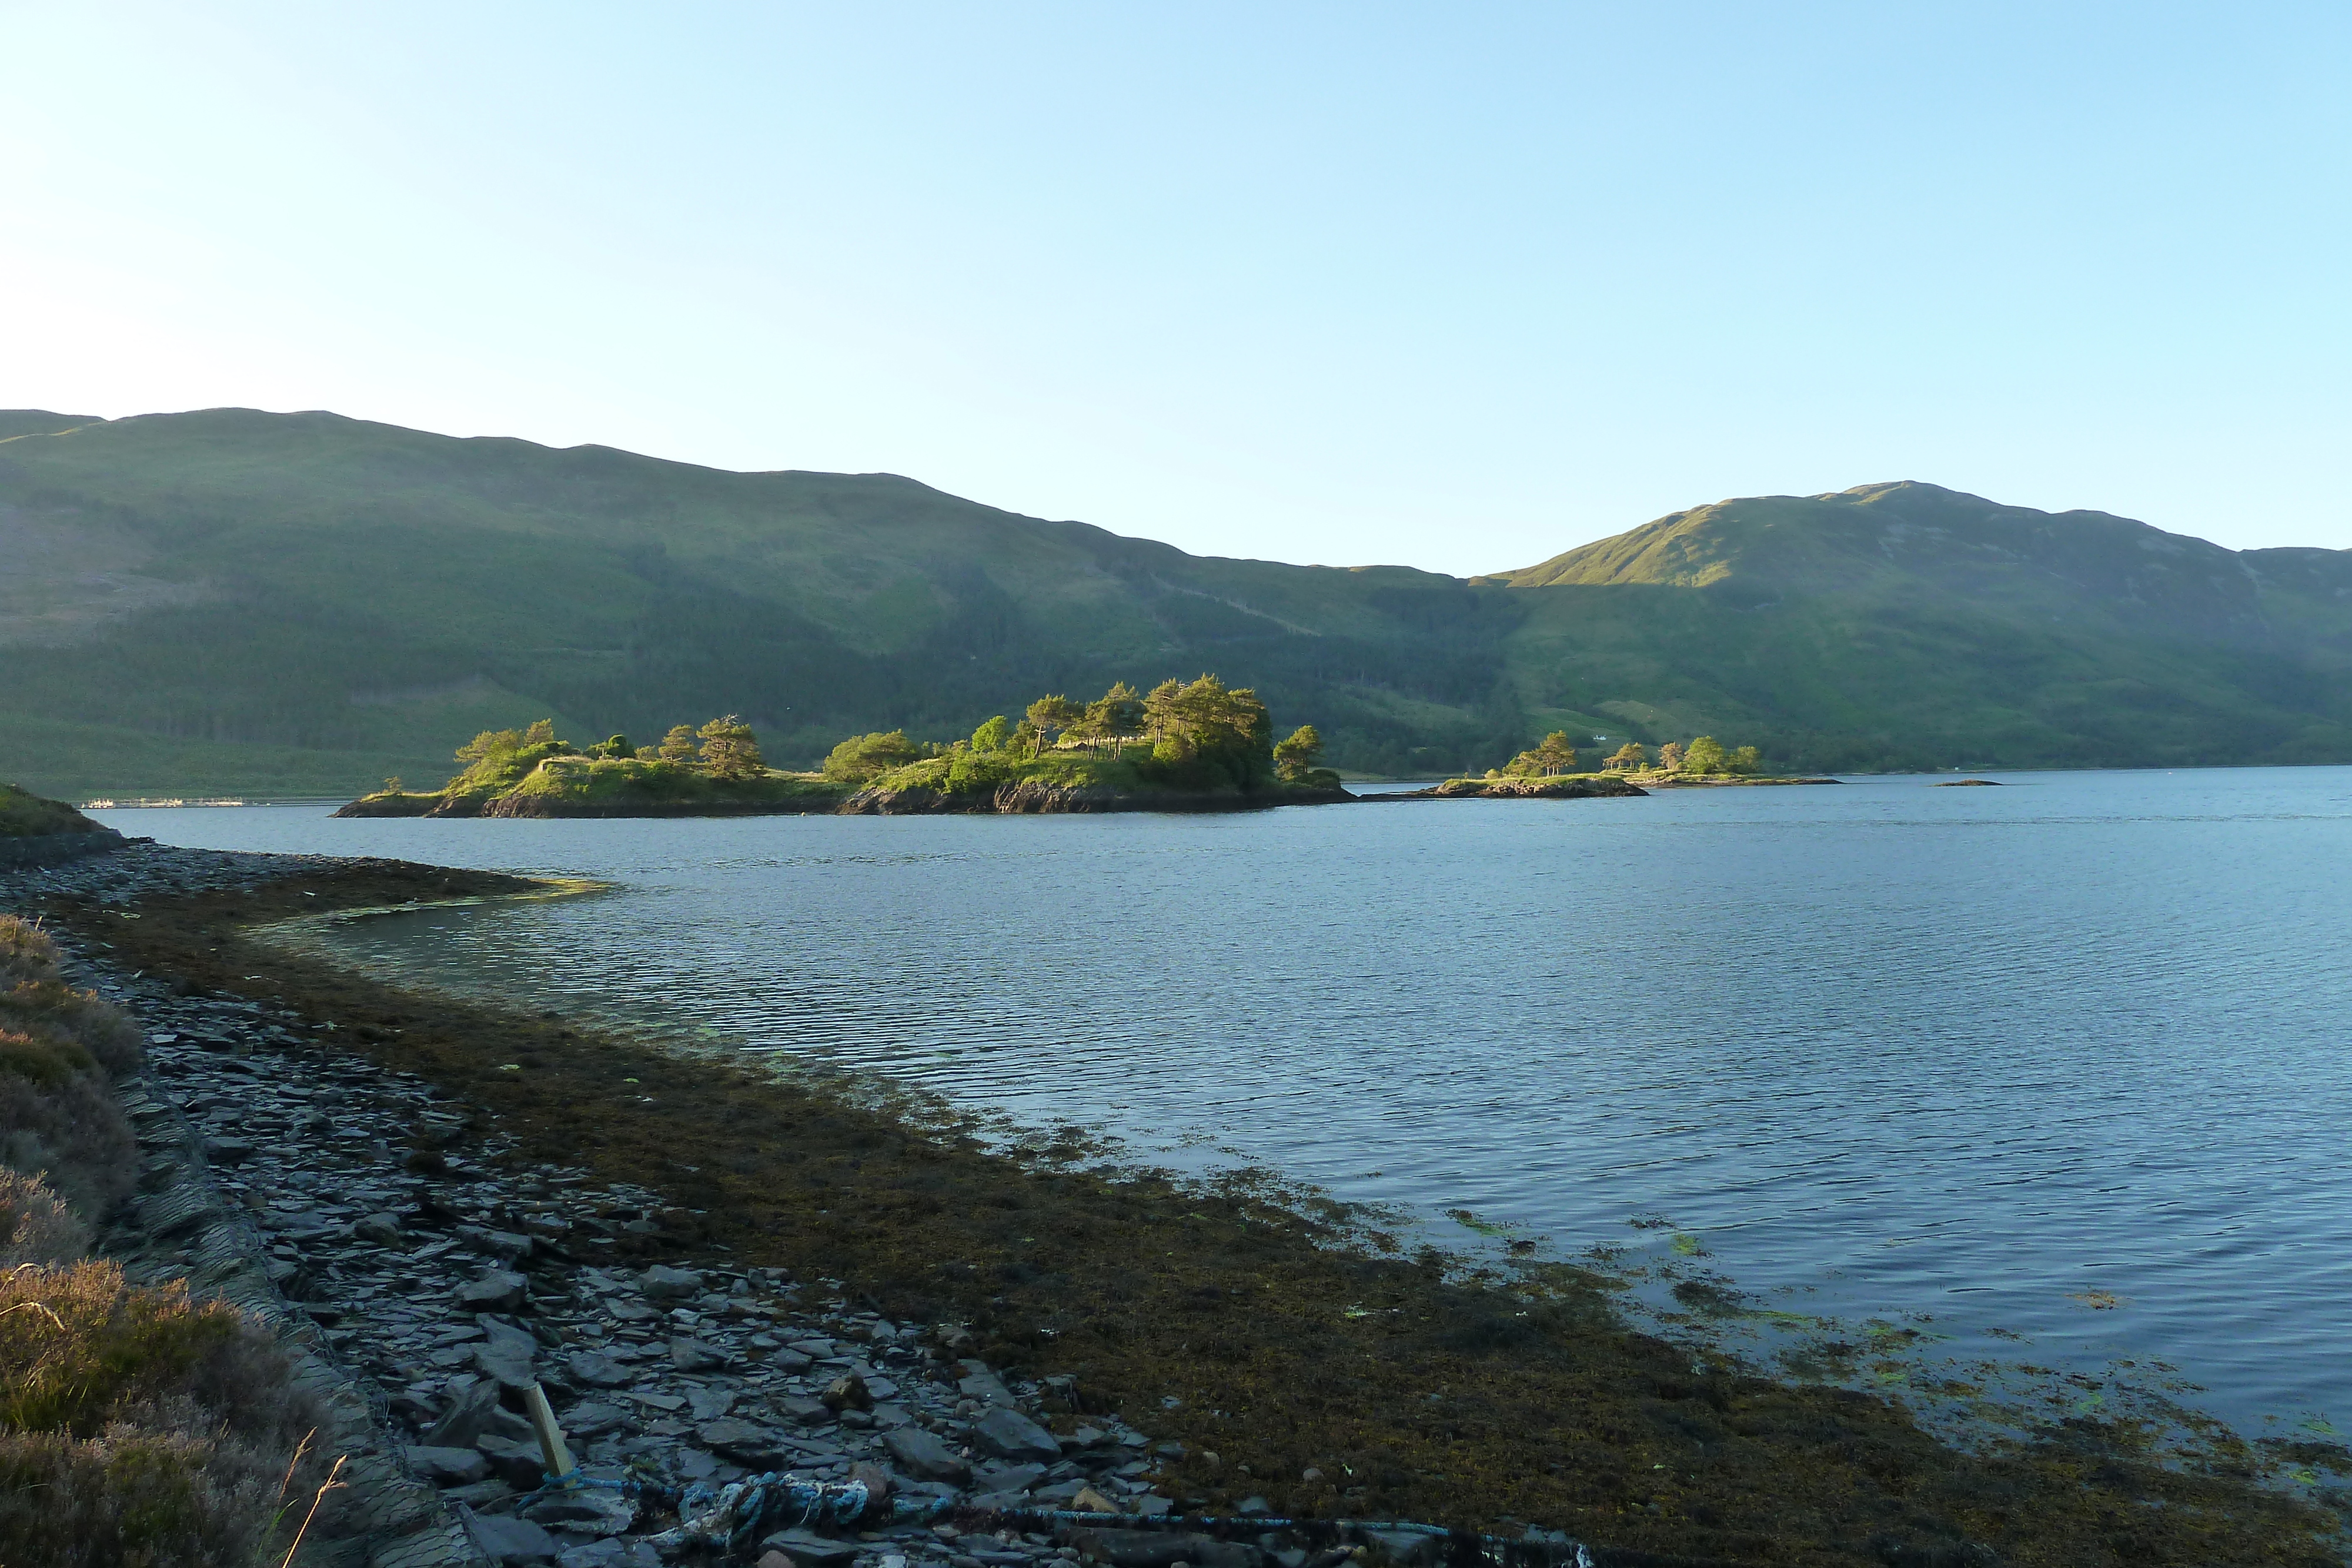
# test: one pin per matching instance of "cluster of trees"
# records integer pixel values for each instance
(1555, 756)
(1192, 729)
(1704, 755)
(725, 748)
(1549, 760)
(1189, 727)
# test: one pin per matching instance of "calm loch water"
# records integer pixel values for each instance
(2059, 1068)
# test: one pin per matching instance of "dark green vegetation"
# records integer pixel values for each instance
(1286, 1337)
(24, 815)
(231, 600)
(137, 1425)
(1188, 745)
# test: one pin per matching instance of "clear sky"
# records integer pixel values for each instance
(1455, 285)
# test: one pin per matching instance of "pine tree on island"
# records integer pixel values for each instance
(729, 751)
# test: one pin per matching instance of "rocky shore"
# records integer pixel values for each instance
(429, 1284)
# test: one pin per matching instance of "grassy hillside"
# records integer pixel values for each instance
(232, 602)
(321, 584)
(1906, 625)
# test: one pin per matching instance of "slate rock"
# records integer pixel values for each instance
(595, 1369)
(709, 1404)
(507, 1539)
(693, 1355)
(921, 1454)
(590, 1511)
(448, 1467)
(988, 1389)
(504, 1245)
(754, 1448)
(848, 1392)
(383, 1229)
(1009, 1435)
(1009, 1478)
(515, 1461)
(663, 1283)
(507, 1357)
(472, 1413)
(497, 1291)
(597, 1421)
(228, 1150)
(800, 1408)
(808, 1550)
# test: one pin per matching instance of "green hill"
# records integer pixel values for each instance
(1907, 625)
(235, 602)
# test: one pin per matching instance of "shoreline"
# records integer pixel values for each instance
(1519, 1397)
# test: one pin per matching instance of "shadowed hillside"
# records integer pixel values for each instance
(239, 601)
(299, 585)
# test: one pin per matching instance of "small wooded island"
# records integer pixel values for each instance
(1198, 746)
(1547, 772)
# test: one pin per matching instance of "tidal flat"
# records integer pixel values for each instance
(1228, 1315)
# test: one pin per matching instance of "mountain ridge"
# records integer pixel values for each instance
(228, 595)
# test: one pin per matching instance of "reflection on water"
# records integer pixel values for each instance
(2063, 1060)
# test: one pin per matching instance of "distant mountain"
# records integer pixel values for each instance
(238, 602)
(1906, 624)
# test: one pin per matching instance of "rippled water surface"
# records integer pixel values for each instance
(1993, 1055)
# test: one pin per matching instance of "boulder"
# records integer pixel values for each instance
(922, 1455)
(1009, 1435)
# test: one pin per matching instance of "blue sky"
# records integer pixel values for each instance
(1458, 287)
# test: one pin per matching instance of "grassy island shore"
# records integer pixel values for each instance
(1326, 1370)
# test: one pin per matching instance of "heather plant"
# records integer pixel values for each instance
(133, 1498)
(35, 1226)
(81, 1018)
(25, 951)
(65, 1123)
